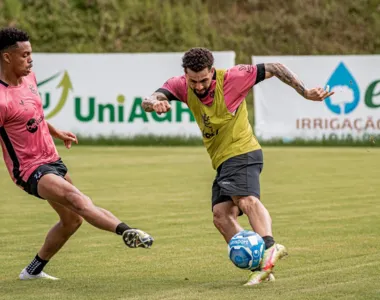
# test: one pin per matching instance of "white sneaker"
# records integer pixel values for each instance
(24, 275)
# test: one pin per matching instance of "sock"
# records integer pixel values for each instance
(36, 266)
(121, 228)
(269, 241)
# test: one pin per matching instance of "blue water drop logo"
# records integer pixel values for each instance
(347, 94)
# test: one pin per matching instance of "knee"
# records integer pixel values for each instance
(71, 223)
(76, 222)
(248, 203)
(217, 218)
(79, 202)
(222, 219)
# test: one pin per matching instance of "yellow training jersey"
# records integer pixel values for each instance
(224, 134)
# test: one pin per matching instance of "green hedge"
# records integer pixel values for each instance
(152, 140)
(249, 27)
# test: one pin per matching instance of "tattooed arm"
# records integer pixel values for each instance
(173, 89)
(288, 77)
(157, 102)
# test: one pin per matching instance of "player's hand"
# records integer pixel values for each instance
(67, 137)
(318, 94)
(161, 107)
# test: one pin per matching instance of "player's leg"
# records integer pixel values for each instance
(240, 179)
(68, 224)
(242, 175)
(58, 235)
(225, 214)
(225, 219)
(47, 183)
(260, 222)
(250, 204)
(259, 217)
(58, 190)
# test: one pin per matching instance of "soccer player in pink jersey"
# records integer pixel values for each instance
(33, 161)
(217, 100)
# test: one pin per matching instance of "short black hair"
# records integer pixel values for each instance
(9, 37)
(196, 59)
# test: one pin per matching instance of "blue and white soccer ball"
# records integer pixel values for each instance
(246, 250)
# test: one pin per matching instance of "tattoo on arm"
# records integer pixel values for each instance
(148, 102)
(286, 76)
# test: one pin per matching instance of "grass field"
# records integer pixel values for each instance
(324, 204)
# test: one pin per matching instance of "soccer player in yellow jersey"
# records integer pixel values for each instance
(217, 100)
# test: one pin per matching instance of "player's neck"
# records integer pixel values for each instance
(9, 77)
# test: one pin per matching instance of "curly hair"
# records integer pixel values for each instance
(196, 59)
(9, 37)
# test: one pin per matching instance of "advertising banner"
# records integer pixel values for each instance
(101, 94)
(352, 112)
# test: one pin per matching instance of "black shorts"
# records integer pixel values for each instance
(238, 176)
(58, 168)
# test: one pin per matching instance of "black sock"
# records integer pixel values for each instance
(269, 241)
(121, 228)
(36, 266)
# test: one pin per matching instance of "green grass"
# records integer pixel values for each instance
(323, 201)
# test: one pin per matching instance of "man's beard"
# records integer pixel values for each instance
(203, 94)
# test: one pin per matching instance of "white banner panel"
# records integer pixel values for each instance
(352, 112)
(100, 94)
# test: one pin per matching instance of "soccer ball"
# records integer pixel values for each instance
(246, 250)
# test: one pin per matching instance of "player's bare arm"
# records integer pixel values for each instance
(157, 102)
(66, 136)
(52, 130)
(288, 77)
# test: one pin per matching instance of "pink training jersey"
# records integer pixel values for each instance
(238, 81)
(24, 133)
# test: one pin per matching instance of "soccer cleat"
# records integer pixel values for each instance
(24, 275)
(257, 277)
(271, 256)
(135, 238)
